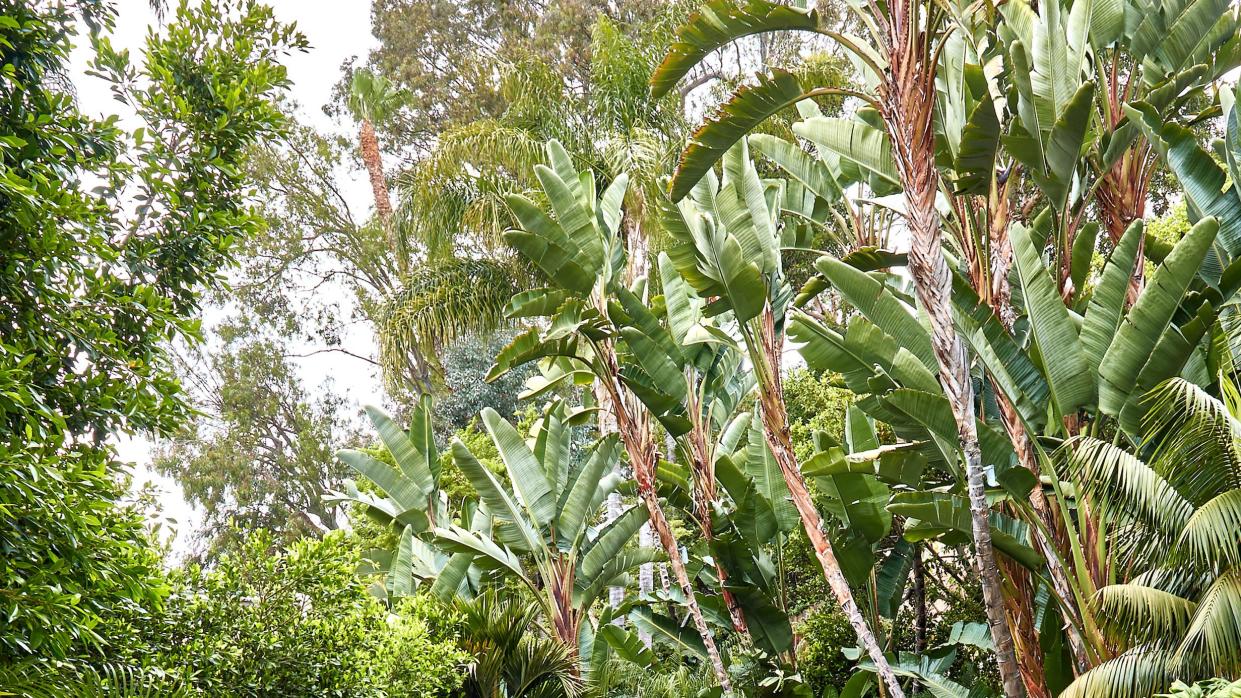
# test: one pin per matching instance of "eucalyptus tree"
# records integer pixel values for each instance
(581, 253)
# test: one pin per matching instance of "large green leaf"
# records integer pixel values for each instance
(487, 553)
(747, 108)
(1146, 321)
(611, 540)
(1107, 303)
(752, 515)
(713, 262)
(666, 630)
(415, 464)
(404, 491)
(526, 347)
(1053, 332)
(980, 143)
(874, 300)
(952, 512)
(1201, 177)
(1005, 360)
(720, 22)
(684, 307)
(498, 501)
(528, 476)
(800, 165)
(892, 576)
(627, 645)
(769, 626)
(761, 466)
(856, 141)
(545, 244)
(574, 508)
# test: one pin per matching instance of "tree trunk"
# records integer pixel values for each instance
(636, 438)
(919, 592)
(379, 189)
(776, 429)
(908, 112)
(704, 497)
(1000, 300)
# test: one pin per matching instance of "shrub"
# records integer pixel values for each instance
(819, 660)
(290, 624)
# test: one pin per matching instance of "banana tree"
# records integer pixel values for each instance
(409, 500)
(900, 59)
(544, 534)
(579, 250)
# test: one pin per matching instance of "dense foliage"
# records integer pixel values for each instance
(884, 386)
(109, 237)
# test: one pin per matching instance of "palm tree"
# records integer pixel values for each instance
(511, 660)
(374, 99)
(1173, 521)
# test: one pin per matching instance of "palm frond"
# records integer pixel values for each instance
(1213, 533)
(442, 302)
(1143, 614)
(1119, 480)
(1196, 439)
(1136, 673)
(1212, 644)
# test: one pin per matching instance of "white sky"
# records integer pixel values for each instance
(336, 31)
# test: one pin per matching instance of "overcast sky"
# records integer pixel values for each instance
(336, 31)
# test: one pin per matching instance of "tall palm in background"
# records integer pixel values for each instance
(453, 202)
(374, 99)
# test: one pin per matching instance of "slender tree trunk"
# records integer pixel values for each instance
(369, 143)
(919, 592)
(776, 429)
(705, 495)
(908, 100)
(1000, 299)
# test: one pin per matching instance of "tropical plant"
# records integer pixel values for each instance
(511, 660)
(1172, 518)
(373, 99)
(412, 504)
(932, 126)
(106, 681)
(543, 534)
(582, 254)
(726, 248)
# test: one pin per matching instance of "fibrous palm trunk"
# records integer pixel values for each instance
(704, 498)
(779, 438)
(907, 100)
(369, 144)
